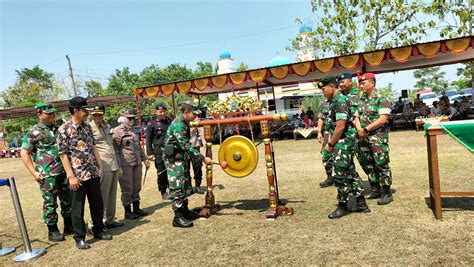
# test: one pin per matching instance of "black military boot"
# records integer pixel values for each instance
(198, 188)
(386, 196)
(374, 191)
(326, 183)
(54, 234)
(180, 221)
(129, 214)
(137, 210)
(341, 211)
(361, 205)
(68, 230)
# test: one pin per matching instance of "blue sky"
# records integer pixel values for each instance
(101, 36)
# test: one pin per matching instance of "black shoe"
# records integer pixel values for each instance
(199, 190)
(114, 225)
(129, 214)
(82, 244)
(341, 211)
(374, 191)
(386, 196)
(137, 210)
(182, 222)
(179, 219)
(165, 196)
(54, 234)
(103, 236)
(189, 191)
(361, 205)
(68, 229)
(326, 183)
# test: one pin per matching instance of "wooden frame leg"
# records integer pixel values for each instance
(210, 206)
(435, 184)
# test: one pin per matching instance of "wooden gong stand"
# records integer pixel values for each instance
(275, 209)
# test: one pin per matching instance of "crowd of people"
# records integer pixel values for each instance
(86, 158)
(354, 124)
(441, 108)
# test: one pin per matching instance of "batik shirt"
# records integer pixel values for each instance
(370, 109)
(77, 142)
(178, 134)
(40, 140)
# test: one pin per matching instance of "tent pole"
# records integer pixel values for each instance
(174, 105)
(139, 121)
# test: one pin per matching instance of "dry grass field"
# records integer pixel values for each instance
(402, 233)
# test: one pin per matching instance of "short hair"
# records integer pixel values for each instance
(186, 108)
(71, 110)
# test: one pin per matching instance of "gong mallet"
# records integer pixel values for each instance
(223, 165)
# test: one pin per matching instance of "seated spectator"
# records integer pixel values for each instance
(306, 121)
(417, 103)
(465, 108)
(295, 121)
(436, 109)
(408, 111)
(444, 97)
(398, 107)
(423, 110)
(451, 112)
(310, 113)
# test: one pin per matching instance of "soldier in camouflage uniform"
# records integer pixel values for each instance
(352, 94)
(341, 147)
(323, 137)
(176, 147)
(39, 143)
(373, 115)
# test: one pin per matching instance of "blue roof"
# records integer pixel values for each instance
(225, 54)
(278, 60)
(306, 27)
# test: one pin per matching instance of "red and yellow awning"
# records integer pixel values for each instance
(381, 61)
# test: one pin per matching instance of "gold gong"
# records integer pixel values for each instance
(240, 154)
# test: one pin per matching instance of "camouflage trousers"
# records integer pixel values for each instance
(177, 183)
(327, 160)
(52, 188)
(346, 178)
(372, 153)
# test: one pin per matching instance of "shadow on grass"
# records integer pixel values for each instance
(366, 186)
(32, 241)
(253, 204)
(454, 203)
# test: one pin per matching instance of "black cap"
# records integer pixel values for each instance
(79, 102)
(98, 108)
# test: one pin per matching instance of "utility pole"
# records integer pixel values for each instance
(70, 74)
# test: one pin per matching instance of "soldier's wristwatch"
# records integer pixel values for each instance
(331, 145)
(366, 130)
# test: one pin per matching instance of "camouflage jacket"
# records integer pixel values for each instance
(370, 109)
(77, 142)
(339, 109)
(178, 135)
(41, 141)
(353, 97)
(324, 114)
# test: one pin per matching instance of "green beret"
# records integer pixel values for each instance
(327, 80)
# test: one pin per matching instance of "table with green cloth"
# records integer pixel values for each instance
(462, 132)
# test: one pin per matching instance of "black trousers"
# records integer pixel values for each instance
(162, 178)
(91, 189)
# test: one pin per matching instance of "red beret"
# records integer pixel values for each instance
(367, 76)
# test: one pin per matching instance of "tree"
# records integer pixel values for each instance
(93, 88)
(313, 102)
(32, 86)
(431, 78)
(465, 76)
(242, 67)
(387, 92)
(347, 26)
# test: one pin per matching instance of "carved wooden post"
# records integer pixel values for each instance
(272, 197)
(210, 207)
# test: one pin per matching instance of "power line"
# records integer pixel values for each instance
(181, 45)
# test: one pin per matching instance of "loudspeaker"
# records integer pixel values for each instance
(404, 93)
